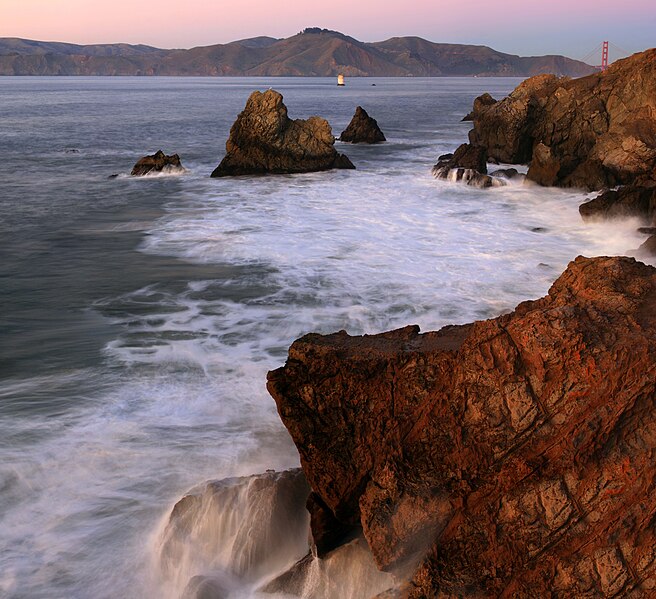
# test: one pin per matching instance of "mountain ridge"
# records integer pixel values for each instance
(312, 52)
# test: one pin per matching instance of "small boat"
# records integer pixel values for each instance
(340, 79)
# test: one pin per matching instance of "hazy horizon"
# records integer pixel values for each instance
(507, 26)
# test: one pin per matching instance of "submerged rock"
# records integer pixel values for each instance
(362, 129)
(157, 163)
(594, 132)
(507, 457)
(264, 139)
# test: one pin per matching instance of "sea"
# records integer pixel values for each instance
(139, 316)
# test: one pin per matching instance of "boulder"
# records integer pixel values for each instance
(594, 132)
(157, 163)
(362, 129)
(505, 173)
(625, 202)
(510, 457)
(264, 139)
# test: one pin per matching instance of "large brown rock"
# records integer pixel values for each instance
(594, 132)
(511, 457)
(157, 163)
(264, 139)
(362, 129)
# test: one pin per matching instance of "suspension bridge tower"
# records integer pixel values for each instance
(604, 56)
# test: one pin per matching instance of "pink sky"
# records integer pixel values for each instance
(572, 27)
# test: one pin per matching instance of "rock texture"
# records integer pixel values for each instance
(480, 105)
(362, 129)
(264, 139)
(512, 457)
(157, 163)
(628, 201)
(595, 132)
(469, 165)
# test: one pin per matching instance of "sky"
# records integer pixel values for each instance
(526, 27)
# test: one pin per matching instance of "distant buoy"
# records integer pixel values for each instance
(340, 79)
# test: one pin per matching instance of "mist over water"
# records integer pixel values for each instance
(140, 316)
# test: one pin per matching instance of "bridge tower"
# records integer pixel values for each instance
(604, 56)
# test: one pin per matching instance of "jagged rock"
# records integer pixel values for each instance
(157, 163)
(481, 104)
(327, 532)
(468, 164)
(362, 129)
(594, 132)
(264, 139)
(627, 201)
(510, 457)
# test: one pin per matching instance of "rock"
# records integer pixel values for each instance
(505, 173)
(347, 572)
(481, 104)
(625, 202)
(648, 248)
(327, 532)
(206, 587)
(362, 129)
(509, 457)
(468, 164)
(594, 132)
(244, 527)
(157, 163)
(264, 139)
(647, 230)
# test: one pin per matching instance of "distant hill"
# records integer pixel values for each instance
(313, 52)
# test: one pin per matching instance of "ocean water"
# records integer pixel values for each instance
(139, 316)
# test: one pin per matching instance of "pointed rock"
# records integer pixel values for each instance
(362, 129)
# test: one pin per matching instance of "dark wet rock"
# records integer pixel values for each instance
(327, 532)
(157, 163)
(264, 139)
(625, 202)
(505, 173)
(538, 230)
(510, 457)
(594, 132)
(468, 164)
(362, 129)
(647, 230)
(114, 176)
(481, 104)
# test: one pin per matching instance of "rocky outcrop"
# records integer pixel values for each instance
(157, 163)
(480, 105)
(467, 165)
(362, 129)
(264, 139)
(595, 132)
(625, 202)
(511, 457)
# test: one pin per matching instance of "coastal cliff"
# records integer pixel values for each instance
(507, 457)
(594, 132)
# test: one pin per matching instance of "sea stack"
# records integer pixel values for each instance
(264, 139)
(510, 457)
(362, 129)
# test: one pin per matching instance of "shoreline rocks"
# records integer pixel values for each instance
(467, 164)
(595, 132)
(157, 163)
(511, 456)
(362, 129)
(264, 140)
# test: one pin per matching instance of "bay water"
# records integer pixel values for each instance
(139, 316)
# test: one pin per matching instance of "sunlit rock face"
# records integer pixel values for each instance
(507, 457)
(264, 140)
